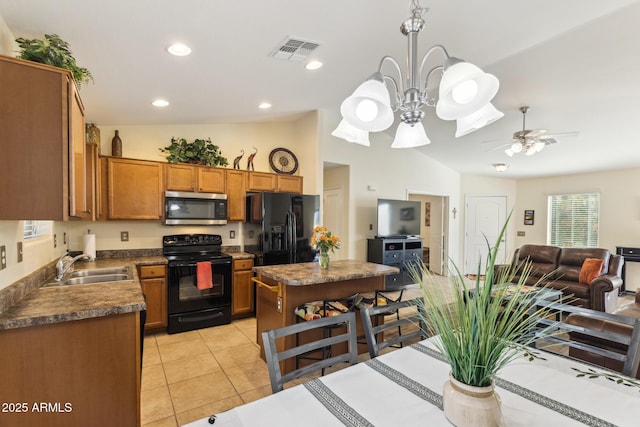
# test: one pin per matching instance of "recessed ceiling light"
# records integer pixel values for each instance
(313, 65)
(264, 105)
(179, 49)
(160, 103)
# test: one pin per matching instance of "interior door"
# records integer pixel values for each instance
(485, 217)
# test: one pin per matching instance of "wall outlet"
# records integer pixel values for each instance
(520, 233)
(19, 251)
(3, 257)
(232, 234)
(124, 236)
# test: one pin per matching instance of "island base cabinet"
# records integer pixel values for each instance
(270, 316)
(78, 373)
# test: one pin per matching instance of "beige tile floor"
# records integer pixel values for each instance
(194, 374)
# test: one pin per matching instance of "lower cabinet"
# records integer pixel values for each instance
(79, 373)
(153, 280)
(243, 294)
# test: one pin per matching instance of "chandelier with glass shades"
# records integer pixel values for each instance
(464, 94)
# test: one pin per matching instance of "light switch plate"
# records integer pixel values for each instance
(3, 257)
(124, 236)
(19, 251)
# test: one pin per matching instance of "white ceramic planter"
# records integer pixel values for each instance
(469, 406)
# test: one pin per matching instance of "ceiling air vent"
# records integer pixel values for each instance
(294, 49)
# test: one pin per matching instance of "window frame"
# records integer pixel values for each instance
(581, 208)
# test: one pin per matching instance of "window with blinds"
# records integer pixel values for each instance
(574, 220)
(34, 229)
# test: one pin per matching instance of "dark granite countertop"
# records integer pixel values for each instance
(310, 273)
(241, 255)
(53, 304)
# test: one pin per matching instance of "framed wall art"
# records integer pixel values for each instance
(528, 217)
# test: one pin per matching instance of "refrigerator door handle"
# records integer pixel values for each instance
(294, 237)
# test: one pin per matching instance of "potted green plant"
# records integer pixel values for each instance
(200, 151)
(481, 328)
(52, 50)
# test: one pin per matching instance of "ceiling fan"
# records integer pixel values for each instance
(530, 141)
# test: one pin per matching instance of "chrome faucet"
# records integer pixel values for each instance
(65, 263)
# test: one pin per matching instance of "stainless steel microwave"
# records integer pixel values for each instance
(185, 208)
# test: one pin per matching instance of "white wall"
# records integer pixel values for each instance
(393, 172)
(619, 205)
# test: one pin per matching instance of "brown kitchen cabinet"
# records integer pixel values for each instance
(289, 184)
(135, 189)
(203, 179)
(153, 281)
(90, 368)
(261, 181)
(243, 294)
(211, 180)
(180, 177)
(236, 194)
(42, 166)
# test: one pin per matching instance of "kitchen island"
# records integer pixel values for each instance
(281, 288)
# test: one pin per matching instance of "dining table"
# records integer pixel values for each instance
(404, 388)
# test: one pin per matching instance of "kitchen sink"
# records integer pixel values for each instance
(100, 271)
(95, 279)
(95, 275)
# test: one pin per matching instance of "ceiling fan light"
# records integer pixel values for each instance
(455, 78)
(516, 147)
(409, 136)
(509, 152)
(538, 146)
(369, 107)
(351, 134)
(530, 151)
(481, 118)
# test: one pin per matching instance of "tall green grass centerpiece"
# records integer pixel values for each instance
(482, 327)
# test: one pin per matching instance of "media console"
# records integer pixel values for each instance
(396, 252)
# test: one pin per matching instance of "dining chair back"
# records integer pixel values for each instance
(392, 333)
(274, 357)
(588, 336)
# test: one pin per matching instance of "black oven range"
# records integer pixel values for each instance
(199, 281)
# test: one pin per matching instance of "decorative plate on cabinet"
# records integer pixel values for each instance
(283, 161)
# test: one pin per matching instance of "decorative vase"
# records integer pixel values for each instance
(116, 145)
(93, 134)
(324, 259)
(469, 406)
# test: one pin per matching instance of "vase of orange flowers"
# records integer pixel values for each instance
(324, 241)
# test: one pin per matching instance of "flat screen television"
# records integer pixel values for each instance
(398, 218)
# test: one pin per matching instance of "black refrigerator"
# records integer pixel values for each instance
(287, 222)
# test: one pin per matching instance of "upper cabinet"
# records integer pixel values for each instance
(289, 184)
(43, 162)
(134, 189)
(203, 179)
(261, 181)
(236, 194)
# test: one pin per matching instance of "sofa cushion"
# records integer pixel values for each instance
(571, 260)
(569, 287)
(544, 260)
(591, 268)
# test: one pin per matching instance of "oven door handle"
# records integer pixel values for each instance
(194, 263)
(276, 289)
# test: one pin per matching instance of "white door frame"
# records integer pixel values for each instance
(444, 244)
(332, 217)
